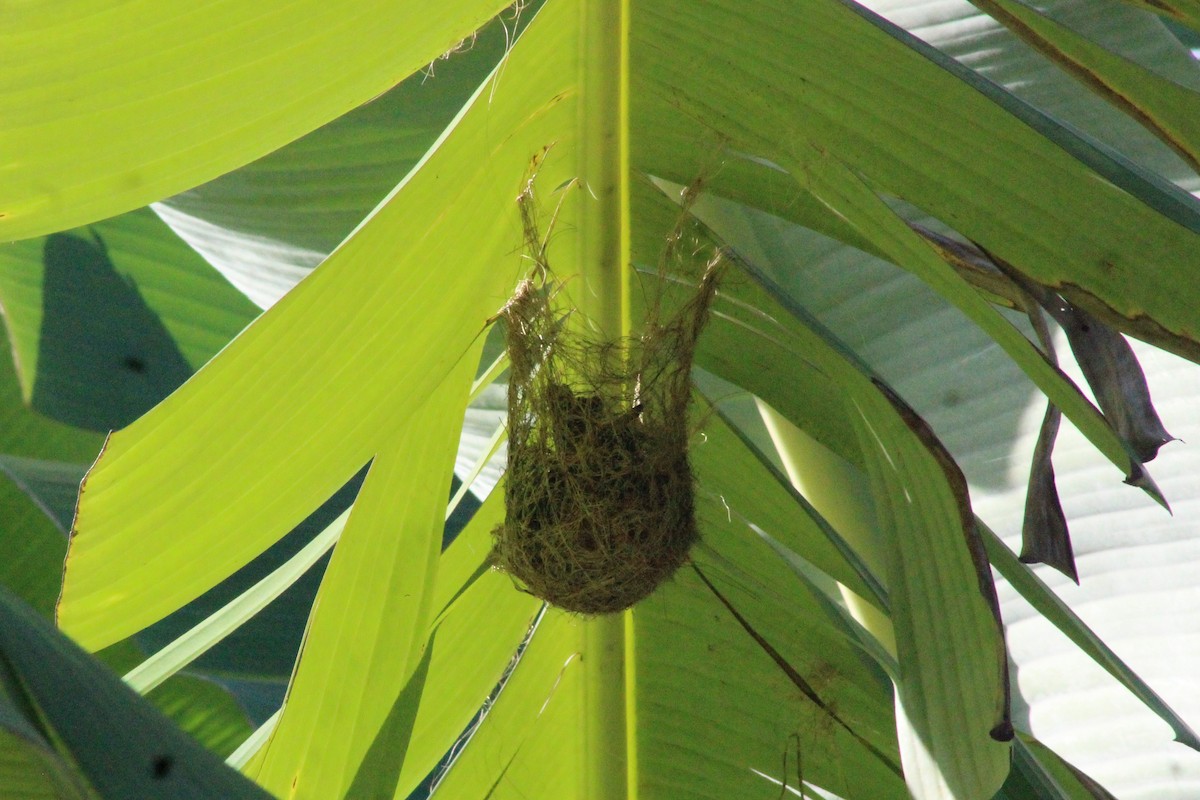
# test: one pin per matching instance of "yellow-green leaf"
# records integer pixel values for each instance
(88, 131)
(400, 301)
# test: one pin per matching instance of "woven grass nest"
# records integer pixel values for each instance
(598, 488)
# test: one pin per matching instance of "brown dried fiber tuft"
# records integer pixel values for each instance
(598, 488)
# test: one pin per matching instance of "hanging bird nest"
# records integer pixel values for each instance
(598, 488)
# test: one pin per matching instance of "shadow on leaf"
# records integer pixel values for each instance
(104, 356)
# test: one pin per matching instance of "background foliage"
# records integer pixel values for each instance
(896, 188)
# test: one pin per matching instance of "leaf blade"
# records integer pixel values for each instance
(218, 86)
(366, 615)
(1035, 591)
(390, 322)
(91, 712)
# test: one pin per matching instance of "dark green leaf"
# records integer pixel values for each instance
(124, 747)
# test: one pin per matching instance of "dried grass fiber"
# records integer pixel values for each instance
(598, 488)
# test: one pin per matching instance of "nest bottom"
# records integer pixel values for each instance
(596, 541)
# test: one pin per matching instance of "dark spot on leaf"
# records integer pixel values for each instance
(161, 766)
(134, 364)
(952, 399)
(1002, 732)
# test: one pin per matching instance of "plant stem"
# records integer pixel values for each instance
(608, 752)
(604, 167)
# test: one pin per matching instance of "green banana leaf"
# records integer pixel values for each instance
(81, 713)
(818, 115)
(219, 87)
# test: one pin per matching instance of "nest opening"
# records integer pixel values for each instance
(598, 488)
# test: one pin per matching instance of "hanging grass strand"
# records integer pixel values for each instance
(599, 491)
